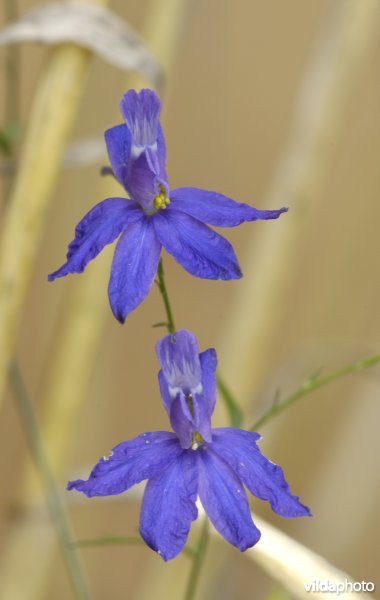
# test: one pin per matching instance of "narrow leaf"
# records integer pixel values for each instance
(235, 414)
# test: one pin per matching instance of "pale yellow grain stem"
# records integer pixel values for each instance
(272, 259)
(293, 565)
(49, 125)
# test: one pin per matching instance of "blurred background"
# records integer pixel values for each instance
(272, 103)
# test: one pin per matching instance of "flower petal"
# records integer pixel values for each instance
(201, 251)
(168, 506)
(181, 420)
(263, 478)
(142, 182)
(187, 421)
(225, 501)
(133, 268)
(179, 358)
(130, 462)
(118, 142)
(202, 416)
(141, 111)
(164, 391)
(137, 149)
(180, 381)
(99, 227)
(208, 360)
(216, 209)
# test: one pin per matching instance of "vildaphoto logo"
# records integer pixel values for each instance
(341, 587)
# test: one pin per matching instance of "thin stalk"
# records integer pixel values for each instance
(109, 540)
(12, 92)
(45, 137)
(53, 500)
(123, 540)
(197, 562)
(234, 412)
(165, 297)
(311, 384)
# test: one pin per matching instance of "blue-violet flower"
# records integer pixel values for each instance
(154, 216)
(214, 464)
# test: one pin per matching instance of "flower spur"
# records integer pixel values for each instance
(153, 217)
(195, 461)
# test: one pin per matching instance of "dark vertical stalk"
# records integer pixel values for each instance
(165, 297)
(197, 562)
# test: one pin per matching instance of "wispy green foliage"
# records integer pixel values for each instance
(312, 383)
(234, 412)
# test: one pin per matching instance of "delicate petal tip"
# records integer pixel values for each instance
(263, 478)
(99, 227)
(80, 485)
(141, 111)
(129, 463)
(274, 214)
(179, 358)
(216, 209)
(120, 318)
(74, 485)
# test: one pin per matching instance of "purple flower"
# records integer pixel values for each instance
(214, 464)
(154, 216)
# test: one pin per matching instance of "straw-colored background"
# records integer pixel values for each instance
(228, 115)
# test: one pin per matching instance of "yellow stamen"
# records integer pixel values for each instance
(196, 440)
(161, 200)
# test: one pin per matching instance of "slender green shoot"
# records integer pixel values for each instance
(234, 412)
(312, 383)
(123, 540)
(165, 297)
(53, 500)
(195, 571)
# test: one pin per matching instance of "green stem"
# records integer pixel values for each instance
(122, 540)
(197, 562)
(234, 412)
(310, 385)
(165, 297)
(109, 540)
(53, 499)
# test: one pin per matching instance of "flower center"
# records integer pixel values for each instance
(196, 440)
(161, 200)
